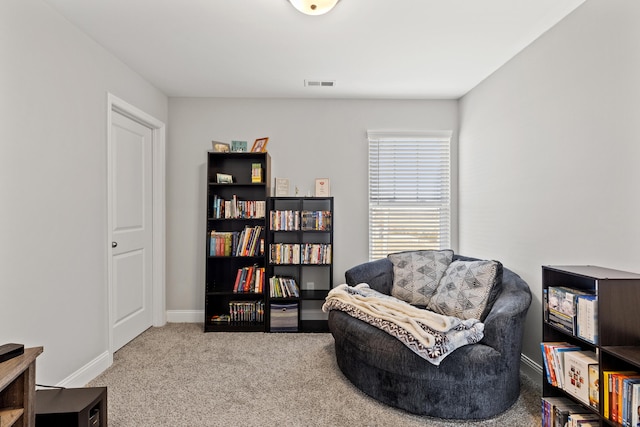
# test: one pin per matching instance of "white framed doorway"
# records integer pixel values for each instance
(136, 207)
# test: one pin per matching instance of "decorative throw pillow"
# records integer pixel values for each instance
(416, 274)
(468, 289)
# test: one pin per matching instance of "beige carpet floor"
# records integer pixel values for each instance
(178, 376)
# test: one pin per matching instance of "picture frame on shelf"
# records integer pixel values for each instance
(323, 186)
(238, 146)
(220, 147)
(224, 178)
(281, 187)
(260, 145)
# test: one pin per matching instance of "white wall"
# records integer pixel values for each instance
(550, 152)
(308, 139)
(53, 84)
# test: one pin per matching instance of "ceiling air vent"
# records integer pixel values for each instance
(320, 83)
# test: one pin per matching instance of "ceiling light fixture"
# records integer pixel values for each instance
(314, 7)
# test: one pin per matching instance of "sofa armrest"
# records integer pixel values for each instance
(377, 274)
(504, 325)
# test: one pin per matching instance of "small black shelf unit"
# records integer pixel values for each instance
(226, 310)
(313, 276)
(618, 321)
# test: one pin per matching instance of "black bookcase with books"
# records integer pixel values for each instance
(595, 310)
(299, 262)
(237, 189)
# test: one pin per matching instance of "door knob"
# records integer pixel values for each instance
(114, 244)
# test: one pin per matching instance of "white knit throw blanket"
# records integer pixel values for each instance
(430, 335)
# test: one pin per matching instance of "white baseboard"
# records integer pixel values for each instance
(185, 316)
(530, 368)
(88, 372)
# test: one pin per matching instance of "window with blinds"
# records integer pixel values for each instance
(409, 192)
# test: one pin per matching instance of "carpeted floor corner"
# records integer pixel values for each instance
(178, 376)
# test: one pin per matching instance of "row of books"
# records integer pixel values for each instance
(249, 279)
(241, 312)
(283, 287)
(236, 243)
(315, 253)
(285, 220)
(300, 253)
(576, 372)
(234, 208)
(223, 243)
(573, 370)
(621, 396)
(246, 311)
(292, 220)
(249, 242)
(573, 311)
(316, 220)
(564, 412)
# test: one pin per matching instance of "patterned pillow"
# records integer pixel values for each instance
(468, 289)
(416, 274)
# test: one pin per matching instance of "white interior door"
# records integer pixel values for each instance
(131, 207)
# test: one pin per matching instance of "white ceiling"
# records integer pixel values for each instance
(405, 49)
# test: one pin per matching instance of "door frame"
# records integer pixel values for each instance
(158, 129)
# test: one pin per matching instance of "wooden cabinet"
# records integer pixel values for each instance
(300, 247)
(17, 389)
(618, 321)
(237, 189)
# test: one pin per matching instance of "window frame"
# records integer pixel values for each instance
(424, 199)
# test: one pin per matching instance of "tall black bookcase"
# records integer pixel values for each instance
(300, 247)
(237, 190)
(618, 323)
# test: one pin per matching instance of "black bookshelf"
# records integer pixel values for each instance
(231, 208)
(618, 323)
(307, 230)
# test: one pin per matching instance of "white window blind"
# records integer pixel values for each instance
(409, 191)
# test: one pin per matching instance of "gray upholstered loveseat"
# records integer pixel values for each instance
(476, 381)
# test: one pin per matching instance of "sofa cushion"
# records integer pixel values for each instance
(416, 274)
(468, 289)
